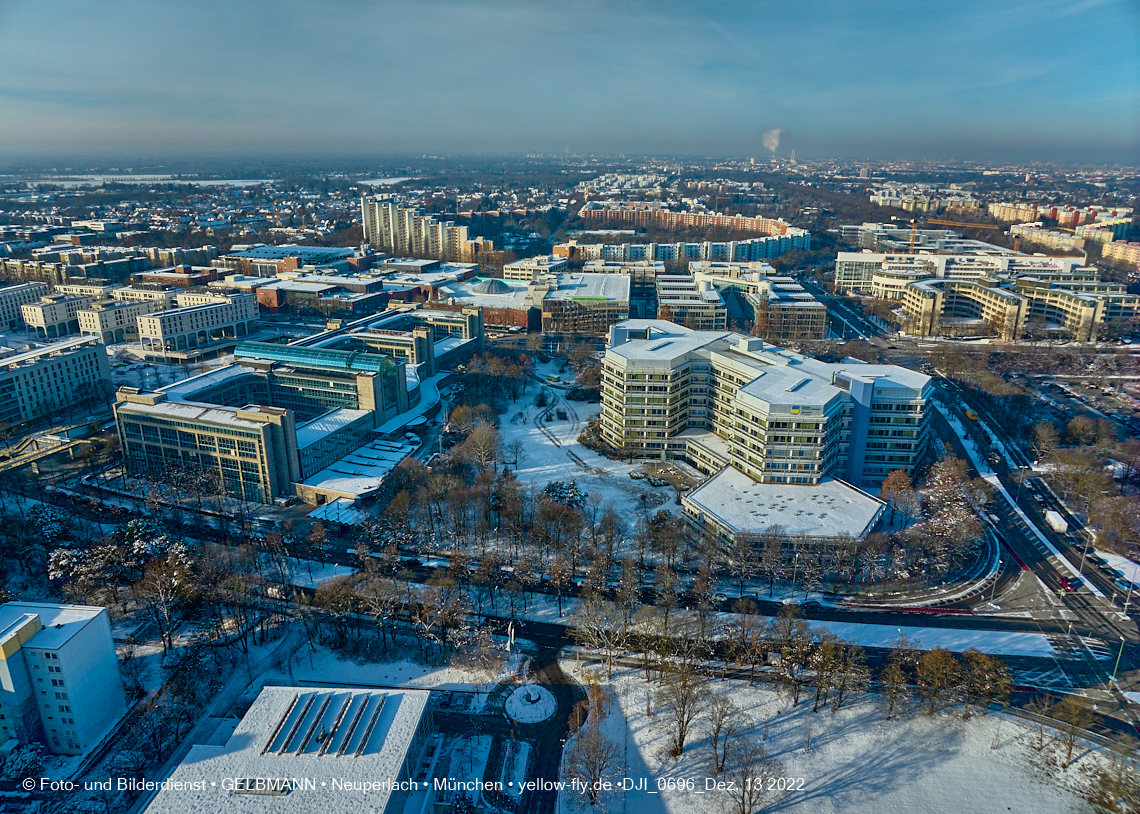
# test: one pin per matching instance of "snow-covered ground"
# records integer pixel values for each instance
(326, 666)
(559, 457)
(1129, 568)
(851, 762)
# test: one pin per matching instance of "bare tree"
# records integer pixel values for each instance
(748, 768)
(592, 758)
(724, 720)
(681, 699)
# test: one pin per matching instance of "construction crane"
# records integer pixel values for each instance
(958, 223)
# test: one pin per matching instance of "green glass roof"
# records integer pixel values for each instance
(349, 361)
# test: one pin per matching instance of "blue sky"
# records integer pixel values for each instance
(1002, 79)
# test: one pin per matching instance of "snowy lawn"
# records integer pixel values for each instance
(851, 762)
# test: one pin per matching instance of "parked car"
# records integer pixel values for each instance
(656, 481)
(1124, 585)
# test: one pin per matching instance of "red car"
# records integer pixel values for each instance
(1071, 583)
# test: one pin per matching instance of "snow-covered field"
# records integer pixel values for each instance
(851, 762)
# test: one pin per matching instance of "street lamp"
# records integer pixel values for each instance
(1081, 570)
(795, 564)
(1116, 667)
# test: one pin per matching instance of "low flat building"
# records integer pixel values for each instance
(823, 515)
(59, 676)
(298, 750)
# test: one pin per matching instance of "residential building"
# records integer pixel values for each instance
(13, 297)
(532, 267)
(198, 326)
(94, 288)
(55, 315)
(739, 251)
(721, 398)
(1065, 216)
(292, 737)
(1037, 233)
(1126, 254)
(184, 276)
(59, 676)
(405, 232)
(662, 219)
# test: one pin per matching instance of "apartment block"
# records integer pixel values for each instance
(48, 378)
(1127, 254)
(14, 297)
(59, 676)
(161, 297)
(407, 233)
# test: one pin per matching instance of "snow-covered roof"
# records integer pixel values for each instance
(60, 622)
(336, 737)
(327, 424)
(826, 509)
(362, 471)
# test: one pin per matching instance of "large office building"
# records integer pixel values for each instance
(778, 308)
(198, 326)
(531, 267)
(38, 381)
(55, 315)
(883, 274)
(581, 304)
(113, 321)
(720, 398)
(898, 238)
(1003, 296)
(696, 304)
(14, 297)
(304, 749)
(59, 676)
(260, 426)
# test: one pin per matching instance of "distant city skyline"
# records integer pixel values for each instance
(1048, 81)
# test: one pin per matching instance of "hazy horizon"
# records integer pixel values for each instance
(1049, 81)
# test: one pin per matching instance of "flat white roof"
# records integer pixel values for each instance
(279, 738)
(826, 509)
(60, 622)
(613, 287)
(208, 413)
